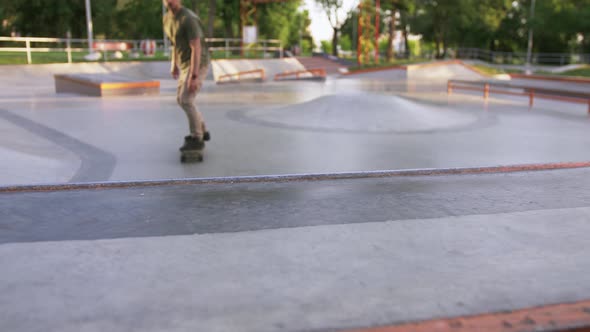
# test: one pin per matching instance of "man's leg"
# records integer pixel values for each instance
(186, 100)
(202, 77)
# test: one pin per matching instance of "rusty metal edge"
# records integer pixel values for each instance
(295, 177)
(569, 317)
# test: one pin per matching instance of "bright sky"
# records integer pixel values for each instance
(320, 26)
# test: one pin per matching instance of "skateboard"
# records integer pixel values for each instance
(193, 155)
(195, 152)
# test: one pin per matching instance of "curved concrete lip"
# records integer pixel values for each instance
(381, 114)
(298, 177)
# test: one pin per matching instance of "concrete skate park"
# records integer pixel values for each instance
(373, 201)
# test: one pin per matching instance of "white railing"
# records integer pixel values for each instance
(223, 46)
(519, 58)
(228, 45)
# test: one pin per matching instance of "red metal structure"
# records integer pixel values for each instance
(377, 18)
(365, 30)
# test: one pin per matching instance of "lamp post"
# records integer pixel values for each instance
(92, 56)
(529, 52)
(89, 26)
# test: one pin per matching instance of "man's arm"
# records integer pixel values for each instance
(173, 65)
(195, 45)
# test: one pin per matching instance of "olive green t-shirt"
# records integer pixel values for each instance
(182, 28)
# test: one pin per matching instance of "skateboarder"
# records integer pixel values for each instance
(189, 64)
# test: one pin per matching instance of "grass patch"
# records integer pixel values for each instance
(580, 72)
(386, 64)
(489, 70)
(495, 71)
(20, 58)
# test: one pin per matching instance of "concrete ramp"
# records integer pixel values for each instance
(351, 114)
(431, 71)
(271, 67)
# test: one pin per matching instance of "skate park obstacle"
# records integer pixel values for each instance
(256, 75)
(102, 85)
(519, 90)
(318, 74)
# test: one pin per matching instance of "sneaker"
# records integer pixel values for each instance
(186, 144)
(195, 144)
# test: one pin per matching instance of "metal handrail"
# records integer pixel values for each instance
(239, 75)
(530, 91)
(315, 73)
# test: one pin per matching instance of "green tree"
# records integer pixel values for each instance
(139, 19)
(556, 24)
(230, 17)
(46, 17)
(283, 21)
(391, 7)
(449, 23)
(336, 16)
(4, 21)
(584, 26)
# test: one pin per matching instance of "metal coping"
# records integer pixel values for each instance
(294, 177)
(455, 83)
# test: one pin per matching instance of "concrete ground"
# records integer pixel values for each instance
(367, 122)
(273, 253)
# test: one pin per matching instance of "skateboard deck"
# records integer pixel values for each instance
(188, 156)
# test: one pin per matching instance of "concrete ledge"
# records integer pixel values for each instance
(101, 85)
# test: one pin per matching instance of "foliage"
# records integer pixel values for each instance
(282, 21)
(415, 48)
(345, 43)
(561, 26)
(326, 46)
(337, 16)
(139, 19)
(503, 25)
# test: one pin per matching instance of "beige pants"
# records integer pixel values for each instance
(187, 101)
